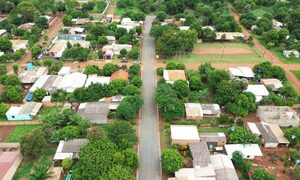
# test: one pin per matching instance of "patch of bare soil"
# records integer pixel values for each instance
(225, 51)
(5, 131)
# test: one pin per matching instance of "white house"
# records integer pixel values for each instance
(259, 91)
(58, 48)
(228, 35)
(249, 151)
(241, 72)
(24, 112)
(93, 79)
(184, 134)
(291, 53)
(72, 81)
(19, 44)
(64, 71)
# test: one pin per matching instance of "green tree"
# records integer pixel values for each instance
(41, 171)
(134, 54)
(123, 52)
(109, 69)
(42, 22)
(161, 16)
(39, 94)
(116, 86)
(5, 44)
(33, 144)
(171, 160)
(262, 174)
(195, 83)
(8, 80)
(69, 132)
(14, 93)
(136, 81)
(204, 70)
(216, 77)
(240, 135)
(123, 135)
(130, 89)
(293, 135)
(296, 173)
(67, 20)
(267, 70)
(92, 69)
(181, 87)
(128, 107)
(134, 70)
(95, 133)
(3, 108)
(242, 105)
(102, 40)
(238, 161)
(15, 68)
(3, 70)
(36, 50)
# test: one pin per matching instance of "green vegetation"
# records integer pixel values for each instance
(296, 73)
(171, 160)
(19, 131)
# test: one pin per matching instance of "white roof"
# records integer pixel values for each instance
(72, 81)
(253, 128)
(14, 110)
(221, 161)
(193, 109)
(39, 83)
(241, 72)
(2, 31)
(248, 150)
(78, 29)
(64, 71)
(258, 90)
(275, 83)
(93, 79)
(184, 28)
(184, 132)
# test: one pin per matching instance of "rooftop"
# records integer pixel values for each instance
(212, 137)
(200, 154)
(31, 108)
(258, 90)
(248, 150)
(69, 149)
(120, 74)
(9, 162)
(184, 132)
(193, 110)
(273, 83)
(96, 112)
(244, 72)
(93, 79)
(173, 75)
(72, 81)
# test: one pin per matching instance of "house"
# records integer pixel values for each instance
(172, 75)
(69, 149)
(26, 26)
(49, 83)
(249, 151)
(82, 43)
(9, 163)
(260, 91)
(93, 79)
(208, 27)
(207, 166)
(68, 37)
(111, 39)
(193, 111)
(80, 21)
(72, 81)
(272, 83)
(291, 53)
(18, 44)
(213, 139)
(127, 22)
(24, 112)
(96, 112)
(30, 75)
(64, 71)
(108, 55)
(3, 32)
(184, 134)
(283, 116)
(58, 48)
(277, 25)
(184, 28)
(228, 36)
(198, 111)
(77, 30)
(120, 74)
(116, 48)
(211, 110)
(241, 72)
(271, 134)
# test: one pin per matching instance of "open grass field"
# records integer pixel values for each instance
(260, 11)
(227, 52)
(19, 132)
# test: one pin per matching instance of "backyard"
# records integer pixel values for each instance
(222, 52)
(19, 131)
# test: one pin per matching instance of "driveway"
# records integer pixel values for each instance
(149, 152)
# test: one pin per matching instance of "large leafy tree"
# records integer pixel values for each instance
(237, 159)
(262, 174)
(32, 144)
(24, 12)
(171, 160)
(5, 44)
(109, 68)
(123, 135)
(242, 105)
(91, 69)
(267, 70)
(181, 88)
(39, 94)
(241, 135)
(215, 77)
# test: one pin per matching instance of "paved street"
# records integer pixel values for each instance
(149, 137)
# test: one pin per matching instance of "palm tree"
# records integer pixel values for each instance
(41, 172)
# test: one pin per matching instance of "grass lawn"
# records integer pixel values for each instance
(47, 110)
(255, 57)
(259, 12)
(19, 132)
(296, 73)
(277, 51)
(26, 167)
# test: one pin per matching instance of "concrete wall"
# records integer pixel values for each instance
(19, 117)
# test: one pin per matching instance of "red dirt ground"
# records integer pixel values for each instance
(5, 131)
(225, 51)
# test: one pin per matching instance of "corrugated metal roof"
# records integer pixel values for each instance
(200, 153)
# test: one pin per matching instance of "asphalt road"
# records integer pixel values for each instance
(149, 133)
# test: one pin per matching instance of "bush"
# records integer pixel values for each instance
(160, 71)
(92, 69)
(261, 174)
(39, 94)
(32, 144)
(109, 69)
(3, 108)
(67, 163)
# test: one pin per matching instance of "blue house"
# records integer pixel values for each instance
(24, 112)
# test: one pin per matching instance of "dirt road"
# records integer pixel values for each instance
(272, 58)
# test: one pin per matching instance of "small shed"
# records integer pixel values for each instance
(69, 149)
(259, 90)
(24, 112)
(249, 151)
(184, 134)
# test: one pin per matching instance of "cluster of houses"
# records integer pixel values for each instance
(67, 80)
